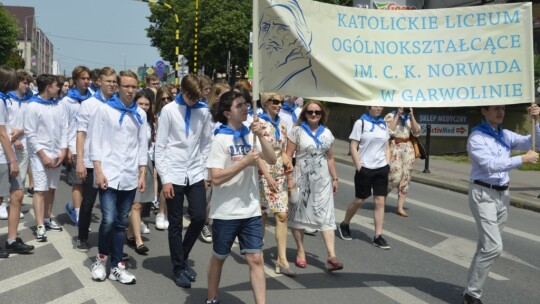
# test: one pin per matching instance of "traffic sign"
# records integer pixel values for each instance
(160, 65)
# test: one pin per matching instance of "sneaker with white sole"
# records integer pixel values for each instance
(72, 214)
(380, 242)
(3, 211)
(53, 225)
(206, 234)
(121, 275)
(161, 222)
(144, 228)
(41, 236)
(99, 272)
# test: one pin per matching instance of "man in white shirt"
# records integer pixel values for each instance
(46, 129)
(182, 145)
(72, 102)
(10, 183)
(118, 151)
(107, 85)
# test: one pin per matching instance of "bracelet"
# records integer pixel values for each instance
(335, 179)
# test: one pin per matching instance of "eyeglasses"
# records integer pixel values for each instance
(276, 101)
(127, 87)
(310, 112)
(166, 99)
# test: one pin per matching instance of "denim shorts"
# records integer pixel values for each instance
(248, 231)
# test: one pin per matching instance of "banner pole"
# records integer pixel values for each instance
(255, 54)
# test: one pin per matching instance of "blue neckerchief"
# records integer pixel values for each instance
(40, 100)
(315, 137)
(75, 94)
(4, 97)
(93, 87)
(267, 117)
(116, 103)
(285, 106)
(224, 129)
(98, 96)
(485, 128)
(180, 100)
(402, 118)
(26, 96)
(378, 121)
(250, 111)
(203, 100)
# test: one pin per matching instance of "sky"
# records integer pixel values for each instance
(116, 28)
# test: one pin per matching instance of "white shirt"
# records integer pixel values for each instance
(372, 150)
(287, 117)
(4, 121)
(121, 149)
(239, 197)
(71, 107)
(46, 128)
(181, 159)
(85, 118)
(16, 116)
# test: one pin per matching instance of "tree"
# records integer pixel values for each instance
(8, 34)
(223, 26)
(15, 61)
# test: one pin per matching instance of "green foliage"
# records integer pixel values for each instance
(8, 35)
(15, 61)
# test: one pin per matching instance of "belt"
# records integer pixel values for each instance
(494, 187)
(399, 140)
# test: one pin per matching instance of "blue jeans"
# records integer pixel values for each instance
(115, 207)
(196, 196)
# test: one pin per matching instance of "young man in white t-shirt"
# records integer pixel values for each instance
(107, 85)
(10, 183)
(46, 129)
(72, 103)
(370, 151)
(118, 151)
(182, 145)
(235, 208)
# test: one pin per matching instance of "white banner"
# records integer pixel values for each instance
(467, 56)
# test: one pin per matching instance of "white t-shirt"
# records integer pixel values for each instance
(4, 120)
(372, 150)
(239, 197)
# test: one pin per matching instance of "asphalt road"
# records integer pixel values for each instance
(428, 262)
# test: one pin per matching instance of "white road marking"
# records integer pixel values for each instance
(397, 294)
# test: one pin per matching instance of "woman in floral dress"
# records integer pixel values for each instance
(273, 178)
(400, 126)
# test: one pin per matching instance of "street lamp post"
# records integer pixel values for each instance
(26, 40)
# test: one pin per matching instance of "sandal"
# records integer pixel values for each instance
(142, 249)
(333, 264)
(300, 263)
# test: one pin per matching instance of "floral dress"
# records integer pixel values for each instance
(274, 202)
(315, 210)
(402, 156)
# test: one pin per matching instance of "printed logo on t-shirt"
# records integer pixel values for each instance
(239, 151)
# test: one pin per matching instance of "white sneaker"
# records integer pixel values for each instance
(3, 211)
(120, 274)
(206, 234)
(144, 228)
(21, 215)
(161, 222)
(99, 272)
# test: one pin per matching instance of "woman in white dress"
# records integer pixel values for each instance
(316, 179)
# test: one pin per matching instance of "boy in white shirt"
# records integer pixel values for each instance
(45, 126)
(118, 151)
(182, 145)
(10, 183)
(107, 85)
(72, 102)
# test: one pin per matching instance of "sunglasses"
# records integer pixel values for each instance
(310, 112)
(276, 101)
(166, 99)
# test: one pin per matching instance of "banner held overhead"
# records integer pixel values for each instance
(466, 56)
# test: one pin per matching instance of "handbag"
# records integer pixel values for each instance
(419, 149)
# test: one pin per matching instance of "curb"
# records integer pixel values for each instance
(452, 184)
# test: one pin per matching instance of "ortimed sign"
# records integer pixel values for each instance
(444, 124)
(456, 57)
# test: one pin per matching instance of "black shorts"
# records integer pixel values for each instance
(366, 179)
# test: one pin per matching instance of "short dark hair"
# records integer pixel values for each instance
(8, 79)
(224, 104)
(45, 80)
(191, 86)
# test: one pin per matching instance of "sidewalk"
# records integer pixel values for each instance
(524, 185)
